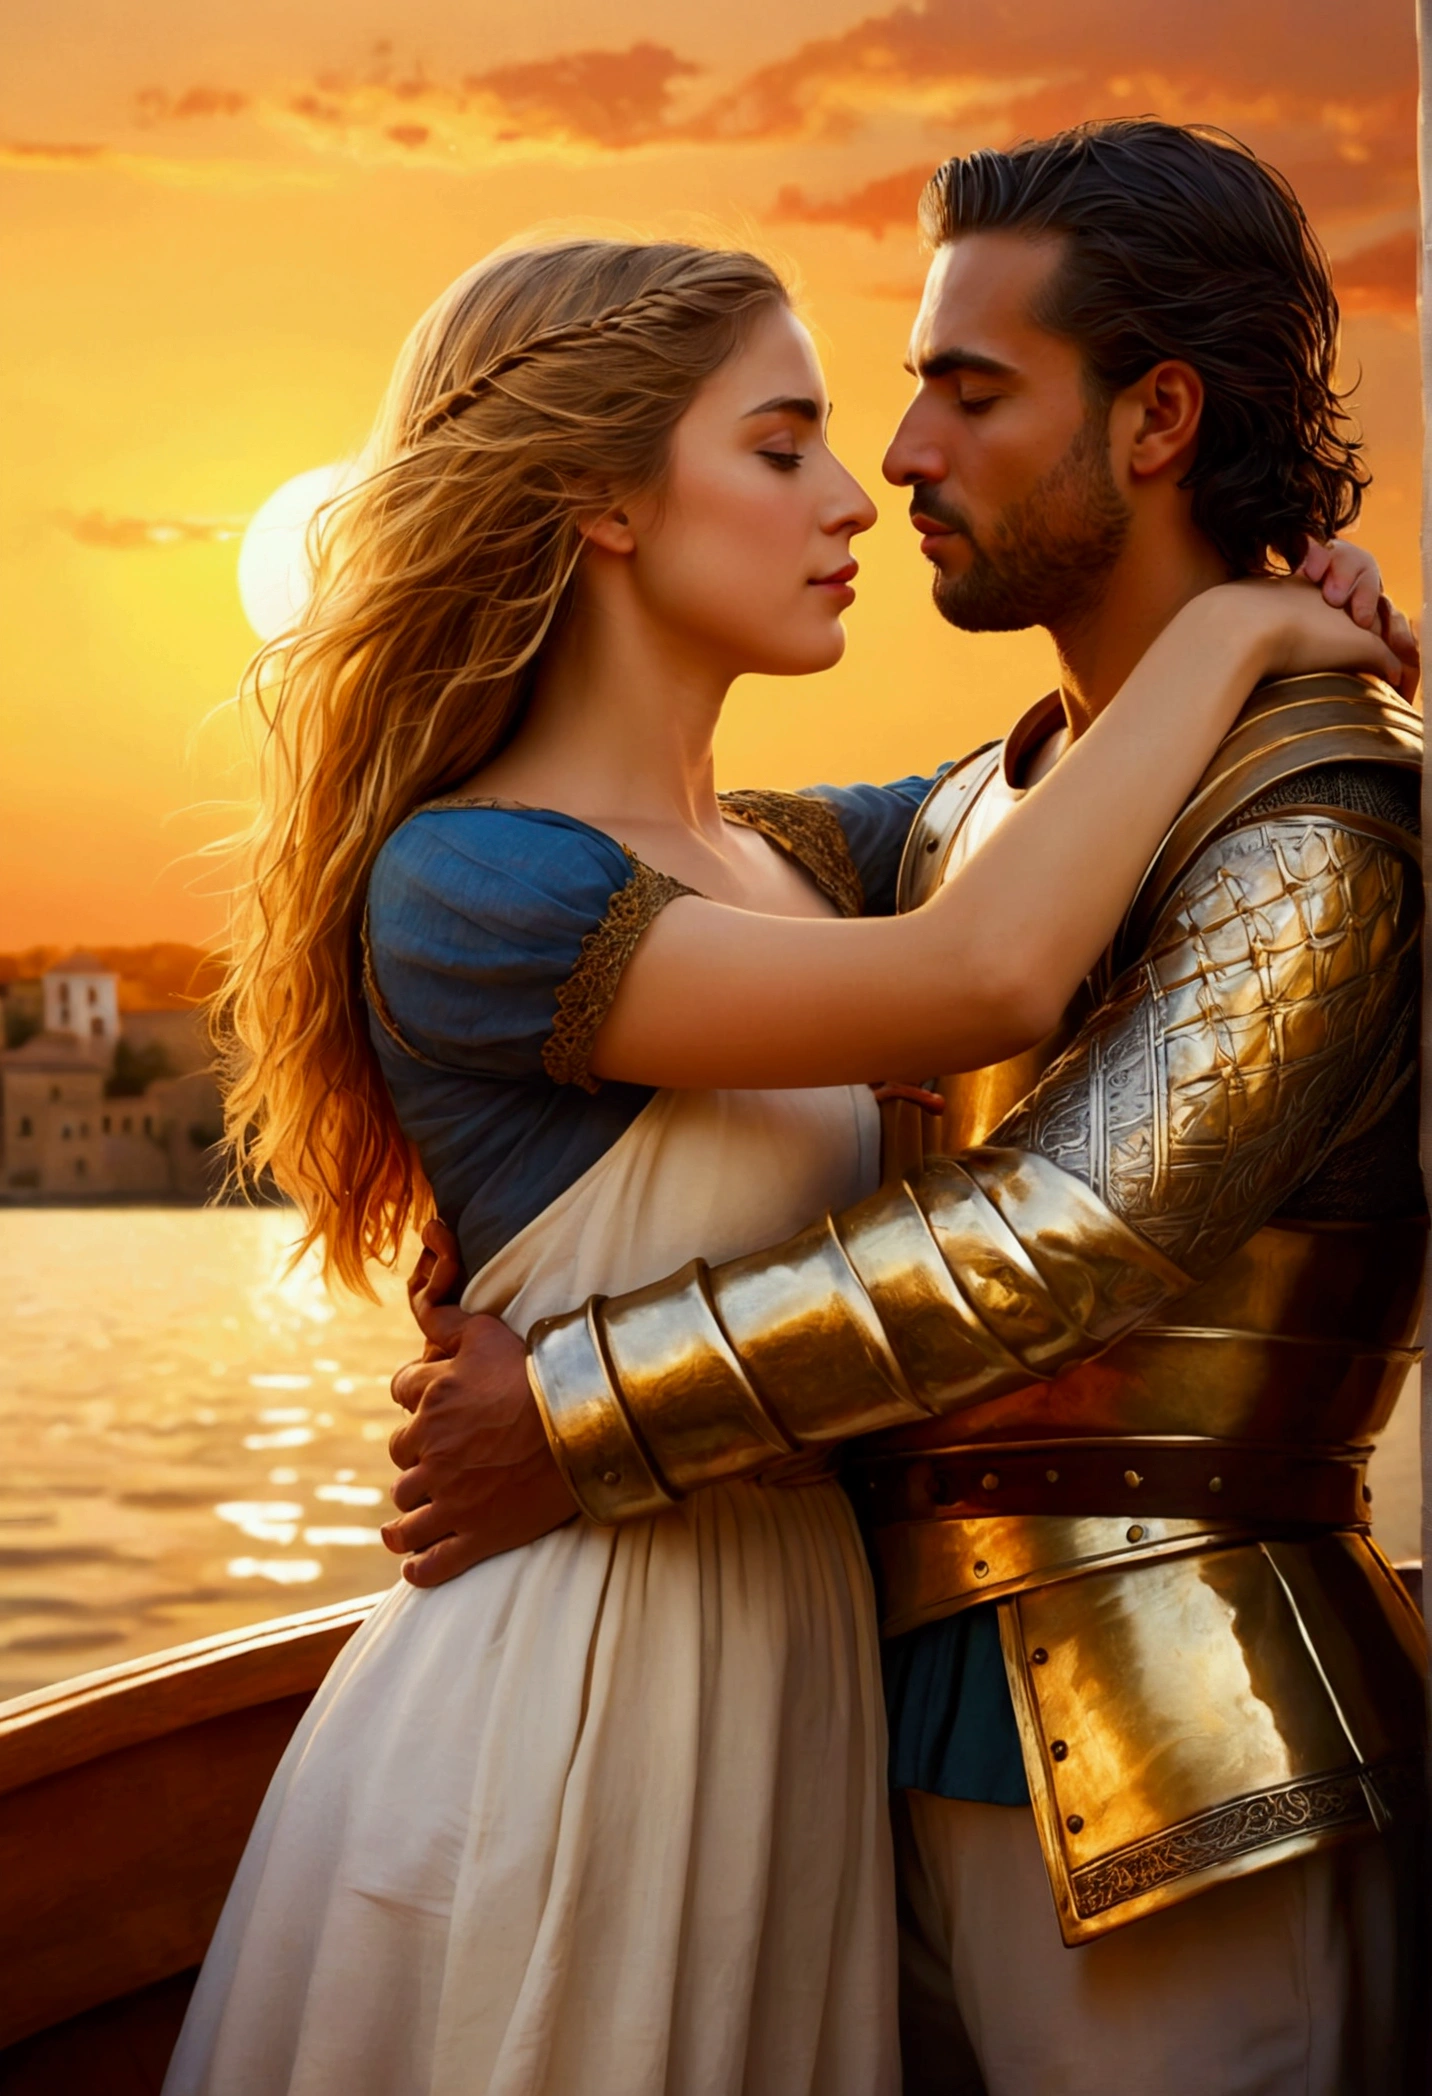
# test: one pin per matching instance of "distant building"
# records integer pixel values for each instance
(62, 1136)
(82, 998)
(188, 1117)
(22, 1004)
(178, 1031)
(74, 1121)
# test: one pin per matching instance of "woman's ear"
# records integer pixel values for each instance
(611, 530)
(1163, 411)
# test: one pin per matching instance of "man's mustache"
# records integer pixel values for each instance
(925, 502)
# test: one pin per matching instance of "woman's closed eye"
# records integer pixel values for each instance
(785, 461)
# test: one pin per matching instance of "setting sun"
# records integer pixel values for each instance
(274, 576)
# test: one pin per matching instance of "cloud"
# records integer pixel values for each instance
(1381, 278)
(45, 153)
(578, 104)
(1336, 112)
(929, 64)
(613, 99)
(901, 291)
(48, 156)
(1049, 64)
(875, 208)
(156, 105)
(144, 534)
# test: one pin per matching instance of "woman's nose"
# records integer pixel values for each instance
(862, 510)
(853, 510)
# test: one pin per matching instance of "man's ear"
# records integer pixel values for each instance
(611, 530)
(1161, 414)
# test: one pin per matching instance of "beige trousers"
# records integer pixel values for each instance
(1284, 1983)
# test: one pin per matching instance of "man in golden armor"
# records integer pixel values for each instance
(1109, 1348)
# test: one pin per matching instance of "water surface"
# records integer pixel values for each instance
(192, 1440)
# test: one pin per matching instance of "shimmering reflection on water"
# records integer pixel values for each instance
(191, 1439)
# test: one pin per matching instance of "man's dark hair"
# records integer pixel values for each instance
(1182, 244)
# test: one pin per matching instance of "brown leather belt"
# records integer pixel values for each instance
(1179, 1480)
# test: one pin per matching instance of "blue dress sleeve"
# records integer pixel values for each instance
(876, 821)
(476, 923)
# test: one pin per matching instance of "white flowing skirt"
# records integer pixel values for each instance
(605, 1816)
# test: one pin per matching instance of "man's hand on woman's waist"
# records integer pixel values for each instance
(477, 1474)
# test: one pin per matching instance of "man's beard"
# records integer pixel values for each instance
(1049, 556)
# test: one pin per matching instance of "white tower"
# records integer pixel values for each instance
(82, 998)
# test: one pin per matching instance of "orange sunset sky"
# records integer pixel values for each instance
(220, 220)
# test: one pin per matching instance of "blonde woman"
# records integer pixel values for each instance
(606, 1817)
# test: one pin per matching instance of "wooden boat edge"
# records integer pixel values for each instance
(57, 1728)
(126, 1797)
(212, 1713)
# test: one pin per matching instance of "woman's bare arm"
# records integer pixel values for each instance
(720, 996)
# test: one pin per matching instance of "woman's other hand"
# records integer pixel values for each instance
(1349, 577)
(430, 1286)
(1295, 631)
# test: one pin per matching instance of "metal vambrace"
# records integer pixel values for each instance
(984, 1274)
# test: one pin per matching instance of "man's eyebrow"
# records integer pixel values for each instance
(804, 409)
(944, 361)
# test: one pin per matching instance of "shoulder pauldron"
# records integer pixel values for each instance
(1296, 725)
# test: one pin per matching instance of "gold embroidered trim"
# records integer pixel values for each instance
(809, 830)
(471, 800)
(585, 998)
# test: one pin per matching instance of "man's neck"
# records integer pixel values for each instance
(1155, 577)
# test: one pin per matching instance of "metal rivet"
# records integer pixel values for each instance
(1132, 1478)
(990, 1481)
(932, 844)
(1215, 1484)
(611, 1477)
(1051, 1477)
(981, 1569)
(1367, 1494)
(1038, 1657)
(1075, 1823)
(1136, 1534)
(1059, 1748)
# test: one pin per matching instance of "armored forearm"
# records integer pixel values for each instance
(984, 1274)
(1223, 1064)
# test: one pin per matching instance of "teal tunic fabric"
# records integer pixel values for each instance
(476, 917)
(952, 1728)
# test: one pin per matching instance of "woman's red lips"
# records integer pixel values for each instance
(840, 576)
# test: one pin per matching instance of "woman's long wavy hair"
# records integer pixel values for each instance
(541, 388)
